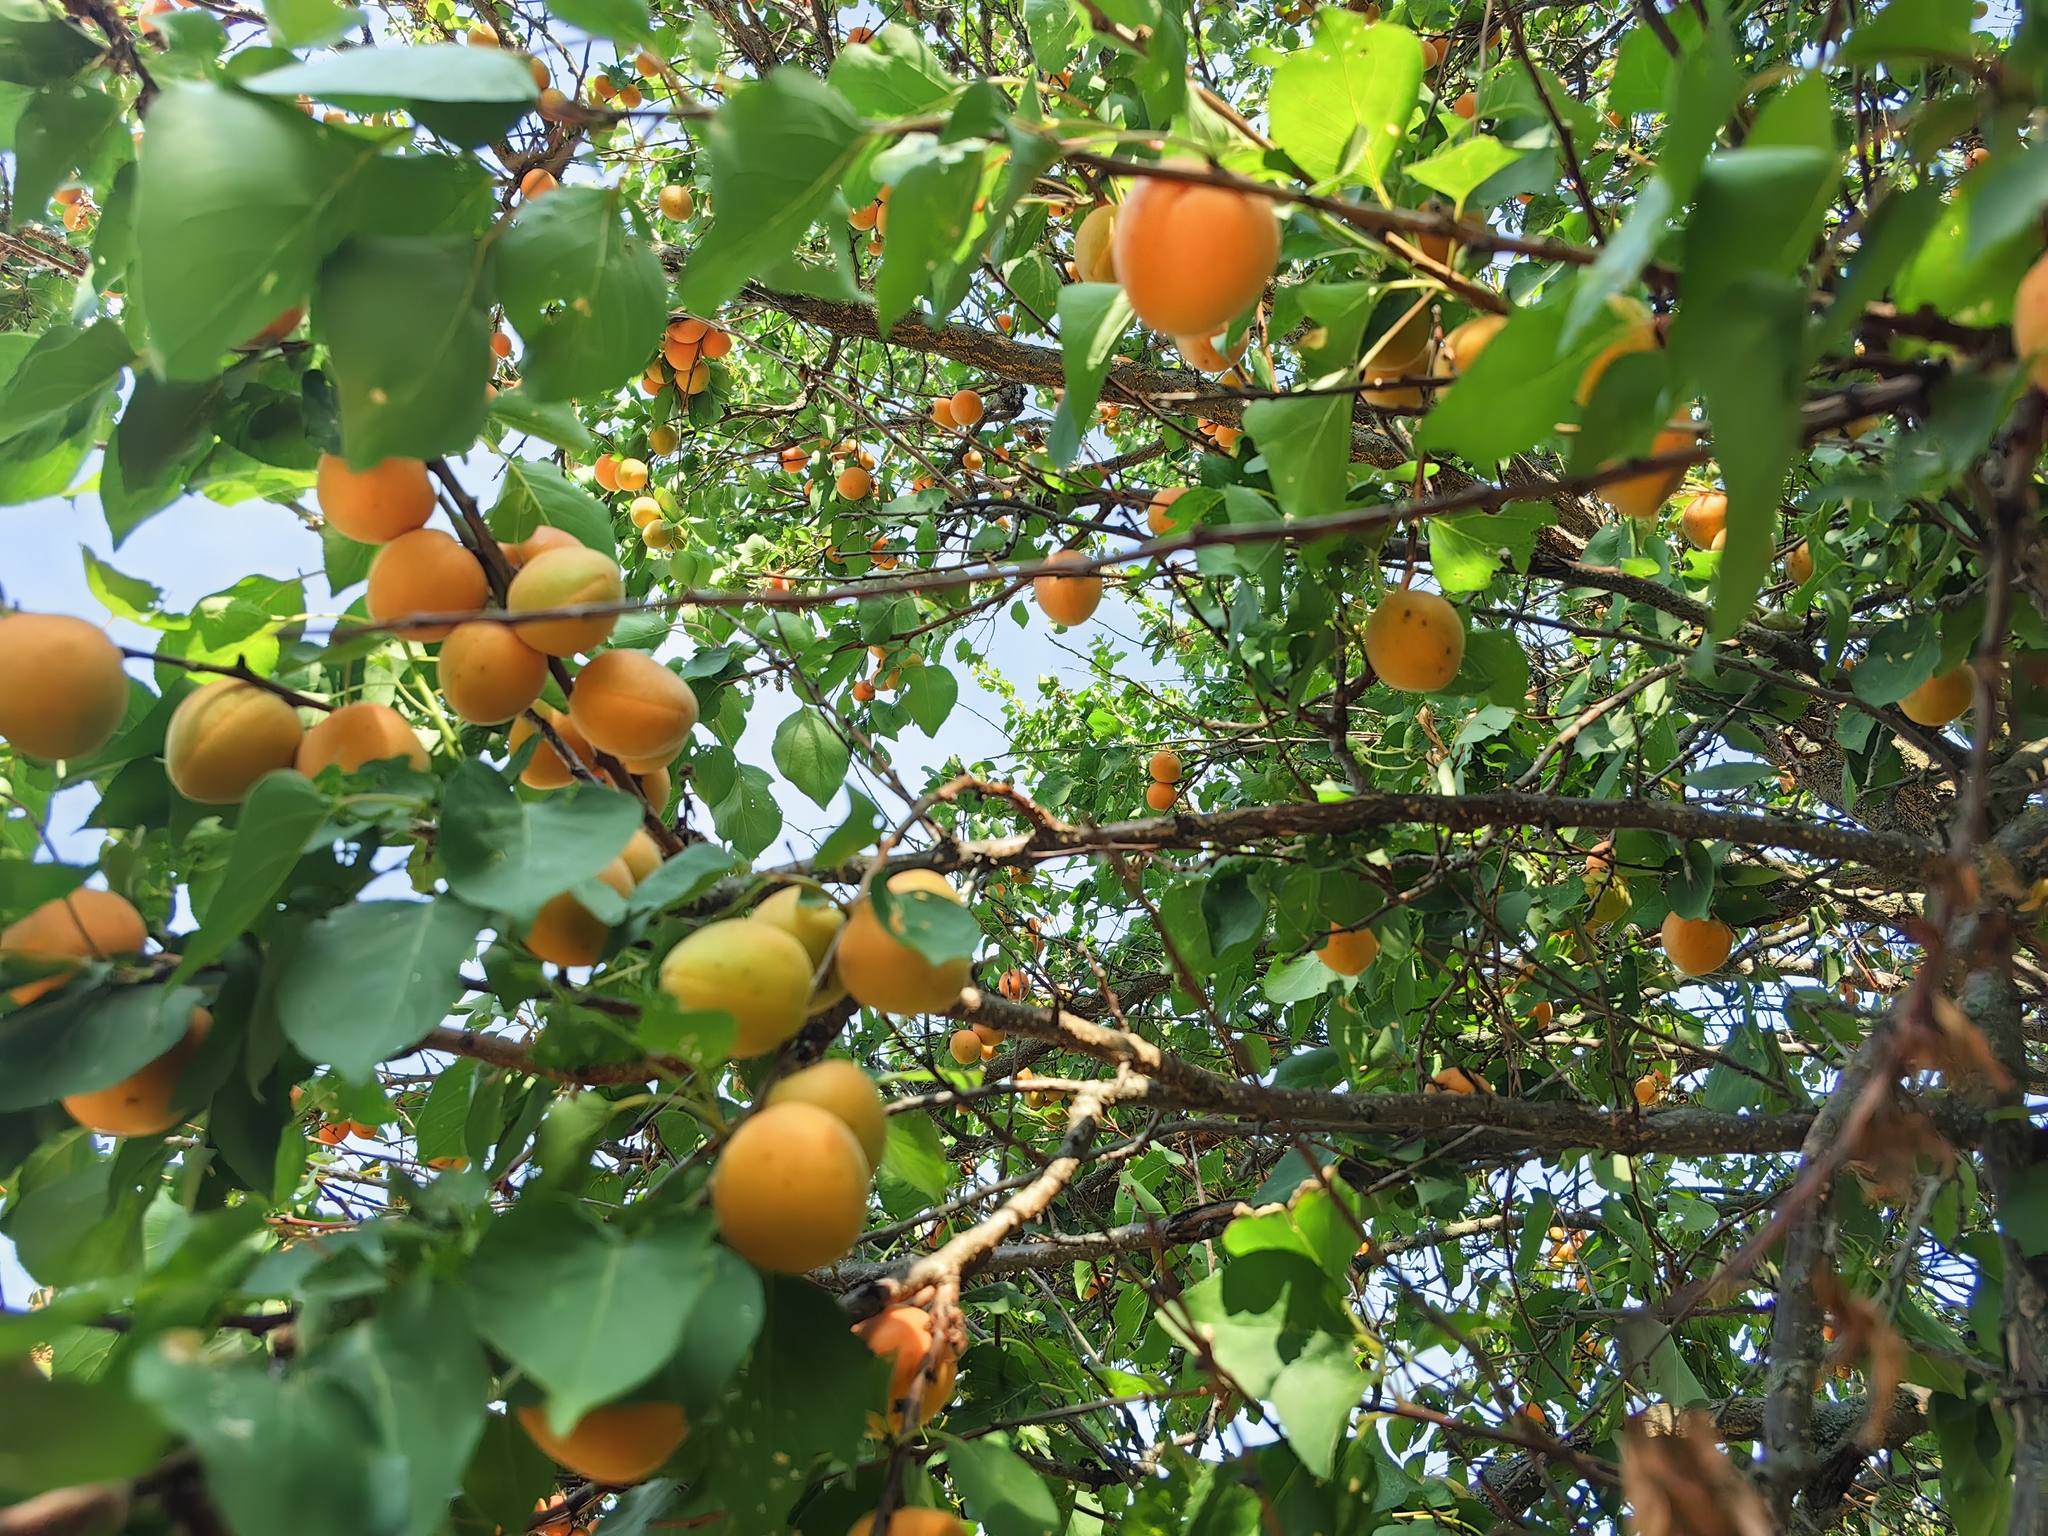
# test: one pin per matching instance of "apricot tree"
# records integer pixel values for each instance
(1501, 987)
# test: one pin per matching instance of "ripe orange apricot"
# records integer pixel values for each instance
(1191, 257)
(813, 924)
(942, 412)
(1164, 766)
(840, 1088)
(1642, 496)
(964, 1047)
(140, 1104)
(1095, 245)
(87, 924)
(2030, 322)
(903, 1336)
(1415, 641)
(618, 1444)
(630, 705)
(1941, 698)
(1202, 353)
(790, 1188)
(357, 734)
(425, 571)
(1348, 951)
(224, 737)
(1067, 600)
(990, 1035)
(537, 182)
(1159, 511)
(63, 691)
(1463, 345)
(1160, 797)
(375, 505)
(913, 1522)
(539, 542)
(1696, 946)
(967, 407)
(677, 202)
(886, 974)
(757, 972)
(565, 578)
(546, 769)
(565, 933)
(1799, 563)
(853, 482)
(1705, 519)
(1649, 1089)
(1466, 106)
(1458, 1080)
(488, 674)
(606, 471)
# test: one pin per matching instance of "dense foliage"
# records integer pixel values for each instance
(1375, 1063)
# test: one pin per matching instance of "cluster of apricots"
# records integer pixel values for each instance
(872, 220)
(969, 1046)
(1162, 772)
(688, 348)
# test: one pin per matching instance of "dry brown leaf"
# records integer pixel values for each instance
(1683, 1484)
(1861, 1330)
(1887, 1154)
(1956, 1048)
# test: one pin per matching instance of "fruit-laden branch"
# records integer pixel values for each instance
(498, 1051)
(1514, 1485)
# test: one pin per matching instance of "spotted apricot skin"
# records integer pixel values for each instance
(1415, 642)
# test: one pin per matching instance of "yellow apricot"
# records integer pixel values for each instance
(757, 972)
(1941, 698)
(1159, 511)
(1639, 335)
(813, 923)
(1348, 951)
(1464, 344)
(63, 691)
(565, 933)
(1458, 1080)
(1067, 600)
(903, 1336)
(632, 474)
(140, 1104)
(1192, 257)
(1642, 496)
(539, 542)
(565, 578)
(677, 202)
(2030, 322)
(790, 1187)
(357, 734)
(1201, 352)
(886, 974)
(630, 705)
(1415, 641)
(642, 855)
(1799, 563)
(1705, 519)
(840, 1088)
(1095, 245)
(964, 1047)
(375, 505)
(1696, 946)
(546, 769)
(224, 737)
(617, 1445)
(425, 571)
(488, 674)
(87, 924)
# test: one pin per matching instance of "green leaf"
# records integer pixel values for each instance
(929, 694)
(419, 1370)
(65, 370)
(1691, 887)
(58, 132)
(746, 815)
(1703, 90)
(1093, 318)
(806, 1392)
(233, 199)
(1458, 171)
(1642, 70)
(915, 1154)
(852, 835)
(811, 755)
(36, 47)
(1052, 26)
(508, 1475)
(163, 425)
(1903, 654)
(1910, 29)
(625, 20)
(58, 1432)
(1622, 259)
(684, 877)
(535, 494)
(1465, 552)
(408, 328)
(280, 813)
(1495, 668)
(1517, 392)
(929, 213)
(1306, 442)
(1976, 1442)
(1963, 277)
(895, 73)
(1000, 1490)
(936, 926)
(281, 1453)
(552, 421)
(82, 1039)
(468, 95)
(1282, 1334)
(339, 1007)
(1341, 106)
(584, 294)
(584, 1310)
(1744, 342)
(777, 152)
(309, 23)
(1756, 210)
(508, 855)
